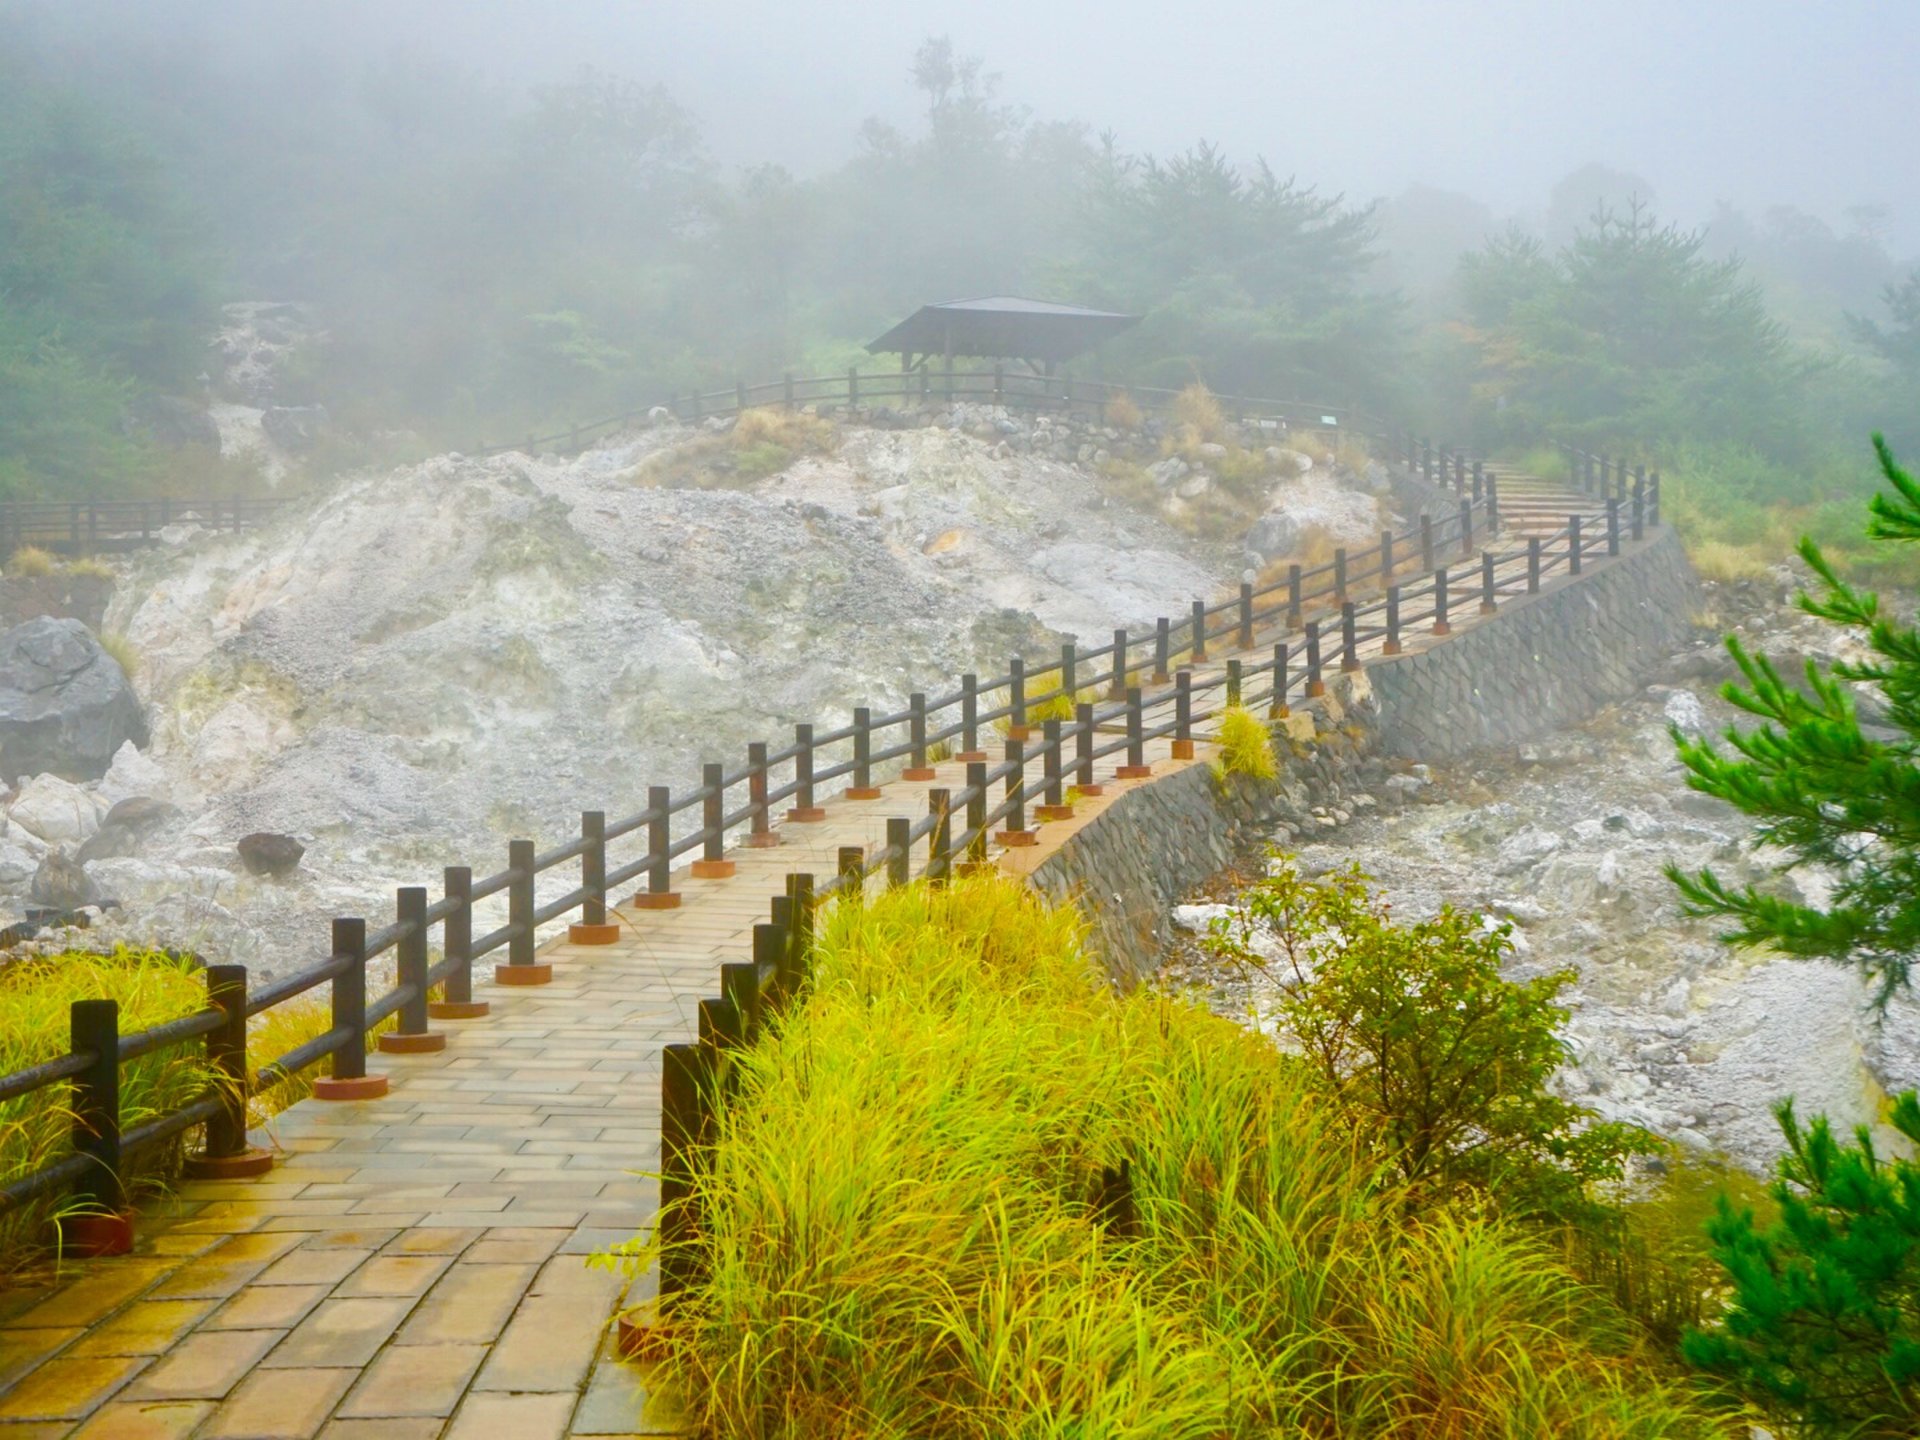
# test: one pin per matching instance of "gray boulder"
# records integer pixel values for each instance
(127, 827)
(62, 883)
(1274, 534)
(65, 704)
(265, 853)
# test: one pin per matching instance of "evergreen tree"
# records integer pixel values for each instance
(1823, 1331)
(1823, 790)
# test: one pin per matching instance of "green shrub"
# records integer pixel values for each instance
(964, 1189)
(1245, 744)
(36, 1128)
(1824, 1328)
(1432, 1056)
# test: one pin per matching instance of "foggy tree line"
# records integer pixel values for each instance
(483, 260)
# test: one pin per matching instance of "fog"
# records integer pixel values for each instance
(1755, 102)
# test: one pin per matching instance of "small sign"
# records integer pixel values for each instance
(1328, 420)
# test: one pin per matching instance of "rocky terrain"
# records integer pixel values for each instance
(1566, 839)
(418, 665)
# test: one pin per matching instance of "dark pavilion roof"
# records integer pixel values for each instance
(1002, 326)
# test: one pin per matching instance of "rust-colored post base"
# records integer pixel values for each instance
(1055, 812)
(1347, 667)
(863, 792)
(1014, 839)
(655, 900)
(1022, 733)
(1092, 791)
(1441, 627)
(807, 815)
(765, 840)
(457, 1009)
(538, 973)
(425, 1043)
(1390, 647)
(96, 1236)
(1183, 749)
(920, 772)
(977, 867)
(1316, 688)
(581, 933)
(972, 757)
(1488, 607)
(641, 1334)
(360, 1087)
(1133, 772)
(713, 869)
(246, 1165)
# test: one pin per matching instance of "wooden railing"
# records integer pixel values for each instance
(998, 386)
(79, 527)
(1138, 688)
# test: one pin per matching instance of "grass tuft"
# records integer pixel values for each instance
(1246, 745)
(30, 562)
(1122, 413)
(122, 650)
(1195, 408)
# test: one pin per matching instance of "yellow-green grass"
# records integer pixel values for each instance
(1245, 745)
(30, 561)
(1051, 702)
(903, 1236)
(36, 1129)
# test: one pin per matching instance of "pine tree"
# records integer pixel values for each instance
(1823, 1331)
(1820, 788)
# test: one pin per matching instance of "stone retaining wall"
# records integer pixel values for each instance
(1542, 664)
(1546, 662)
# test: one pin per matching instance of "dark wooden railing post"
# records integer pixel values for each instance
(521, 967)
(456, 938)
(227, 1155)
(940, 838)
(1017, 698)
(760, 833)
(411, 1037)
(970, 720)
(850, 864)
(1574, 546)
(1246, 614)
(917, 766)
(1277, 708)
(684, 1078)
(1489, 600)
(1162, 649)
(1315, 684)
(1426, 541)
(1340, 576)
(1117, 687)
(1613, 526)
(1294, 577)
(1533, 564)
(659, 894)
(347, 1077)
(1083, 733)
(713, 863)
(1653, 500)
(1349, 639)
(1466, 529)
(1069, 670)
(1053, 804)
(1015, 797)
(593, 928)
(1391, 645)
(1136, 767)
(1386, 557)
(804, 811)
(976, 811)
(1440, 623)
(899, 850)
(1183, 715)
(102, 1224)
(1233, 683)
(863, 787)
(1639, 505)
(1197, 651)
(1493, 505)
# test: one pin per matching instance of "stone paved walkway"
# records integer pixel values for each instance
(415, 1266)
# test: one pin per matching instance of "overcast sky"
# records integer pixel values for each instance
(1753, 101)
